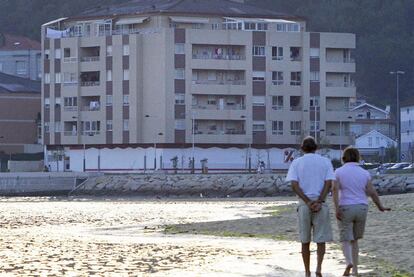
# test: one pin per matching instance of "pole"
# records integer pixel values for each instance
(314, 107)
(84, 157)
(155, 156)
(398, 120)
(192, 142)
(340, 137)
(99, 160)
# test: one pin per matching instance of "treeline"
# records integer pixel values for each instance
(384, 29)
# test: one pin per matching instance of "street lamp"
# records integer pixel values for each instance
(155, 144)
(398, 73)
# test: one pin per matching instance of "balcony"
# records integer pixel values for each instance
(340, 84)
(90, 79)
(93, 106)
(211, 56)
(70, 133)
(90, 59)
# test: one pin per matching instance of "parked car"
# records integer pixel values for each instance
(411, 166)
(396, 167)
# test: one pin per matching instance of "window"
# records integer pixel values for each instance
(66, 53)
(314, 52)
(313, 124)
(369, 141)
(109, 50)
(109, 100)
(125, 100)
(21, 68)
(126, 125)
(47, 102)
(249, 26)
(126, 75)
(47, 54)
(314, 76)
(180, 124)
(377, 141)
(180, 98)
(211, 100)
(295, 128)
(277, 78)
(314, 101)
(259, 75)
(259, 101)
(295, 54)
(179, 48)
(179, 73)
(58, 78)
(109, 75)
(57, 127)
(58, 101)
(277, 128)
(46, 127)
(295, 78)
(408, 110)
(69, 78)
(215, 26)
(109, 125)
(47, 78)
(261, 26)
(197, 25)
(259, 126)
(125, 50)
(277, 102)
(259, 51)
(277, 53)
(58, 54)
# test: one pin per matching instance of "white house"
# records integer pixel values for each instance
(374, 143)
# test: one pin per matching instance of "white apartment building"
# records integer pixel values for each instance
(407, 131)
(128, 84)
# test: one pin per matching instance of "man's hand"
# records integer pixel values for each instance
(338, 214)
(314, 206)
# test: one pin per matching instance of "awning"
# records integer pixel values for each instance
(182, 19)
(132, 20)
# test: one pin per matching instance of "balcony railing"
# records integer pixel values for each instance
(337, 133)
(70, 108)
(340, 84)
(90, 133)
(90, 83)
(91, 108)
(219, 108)
(90, 59)
(222, 82)
(295, 83)
(277, 107)
(277, 82)
(211, 56)
(221, 132)
(70, 133)
(340, 60)
(70, 59)
(296, 108)
(70, 83)
(337, 109)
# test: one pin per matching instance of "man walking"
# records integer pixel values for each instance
(311, 176)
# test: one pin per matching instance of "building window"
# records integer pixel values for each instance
(109, 100)
(109, 75)
(58, 54)
(408, 110)
(180, 98)
(277, 102)
(277, 128)
(180, 124)
(277, 78)
(295, 54)
(58, 78)
(314, 52)
(314, 101)
(259, 126)
(215, 26)
(197, 25)
(295, 128)
(46, 127)
(277, 53)
(57, 127)
(211, 100)
(259, 51)
(109, 50)
(69, 103)
(261, 26)
(314, 76)
(370, 141)
(47, 54)
(69, 78)
(377, 141)
(179, 73)
(126, 75)
(125, 50)
(295, 78)
(58, 101)
(259, 101)
(126, 125)
(179, 48)
(109, 125)
(47, 102)
(313, 124)
(21, 68)
(259, 75)
(125, 100)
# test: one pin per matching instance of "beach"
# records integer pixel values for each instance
(141, 237)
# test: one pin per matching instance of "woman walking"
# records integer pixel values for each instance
(352, 186)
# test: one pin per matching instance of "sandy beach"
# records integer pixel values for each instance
(118, 237)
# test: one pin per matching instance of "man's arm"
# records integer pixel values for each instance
(326, 189)
(335, 197)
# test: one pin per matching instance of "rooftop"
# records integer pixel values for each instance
(12, 84)
(10, 42)
(190, 7)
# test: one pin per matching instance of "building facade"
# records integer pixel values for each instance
(20, 56)
(19, 115)
(184, 73)
(369, 118)
(407, 131)
(374, 145)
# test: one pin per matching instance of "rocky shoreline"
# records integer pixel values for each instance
(215, 185)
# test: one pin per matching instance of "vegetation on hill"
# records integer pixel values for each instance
(384, 32)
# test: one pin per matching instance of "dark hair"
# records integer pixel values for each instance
(309, 145)
(351, 155)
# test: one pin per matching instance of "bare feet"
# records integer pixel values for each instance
(348, 270)
(318, 274)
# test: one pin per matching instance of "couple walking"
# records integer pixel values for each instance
(312, 177)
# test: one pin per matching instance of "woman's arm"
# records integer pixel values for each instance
(335, 194)
(370, 190)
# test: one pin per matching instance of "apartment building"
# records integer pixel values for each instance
(407, 131)
(20, 56)
(192, 75)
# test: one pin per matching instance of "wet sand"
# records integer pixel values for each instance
(52, 237)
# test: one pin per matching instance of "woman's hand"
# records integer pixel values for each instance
(383, 209)
(338, 214)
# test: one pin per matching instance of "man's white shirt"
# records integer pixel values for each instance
(311, 171)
